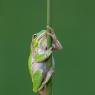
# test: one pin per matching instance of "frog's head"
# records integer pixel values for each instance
(40, 36)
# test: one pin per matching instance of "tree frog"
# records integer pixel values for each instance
(40, 71)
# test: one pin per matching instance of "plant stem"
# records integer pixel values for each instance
(49, 42)
(48, 12)
(48, 89)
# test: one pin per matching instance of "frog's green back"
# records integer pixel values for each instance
(30, 63)
(42, 31)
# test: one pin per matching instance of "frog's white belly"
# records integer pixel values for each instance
(41, 51)
(39, 66)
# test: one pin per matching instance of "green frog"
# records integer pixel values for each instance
(40, 70)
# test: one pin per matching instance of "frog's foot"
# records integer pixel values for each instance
(48, 76)
(43, 91)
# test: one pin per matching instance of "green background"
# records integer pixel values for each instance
(74, 24)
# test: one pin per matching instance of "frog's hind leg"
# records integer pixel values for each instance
(37, 80)
(47, 78)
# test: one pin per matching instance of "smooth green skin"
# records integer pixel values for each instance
(37, 76)
(30, 63)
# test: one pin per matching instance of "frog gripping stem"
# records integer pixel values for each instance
(41, 62)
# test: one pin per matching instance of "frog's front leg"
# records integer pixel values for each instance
(56, 44)
(40, 57)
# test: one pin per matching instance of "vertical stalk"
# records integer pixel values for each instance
(49, 42)
(48, 12)
(48, 89)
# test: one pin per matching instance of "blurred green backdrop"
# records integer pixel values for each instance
(74, 24)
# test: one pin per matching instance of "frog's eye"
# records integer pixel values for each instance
(35, 35)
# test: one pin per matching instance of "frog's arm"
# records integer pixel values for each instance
(56, 44)
(30, 63)
(43, 57)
